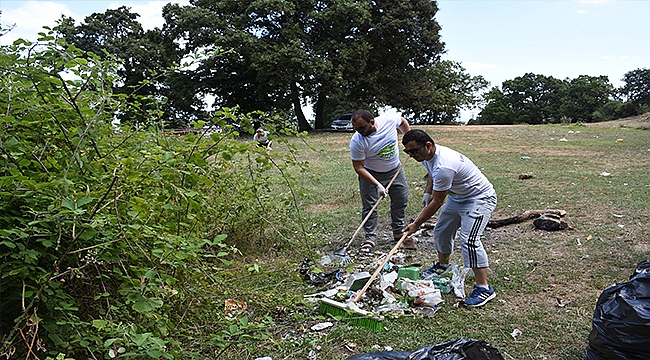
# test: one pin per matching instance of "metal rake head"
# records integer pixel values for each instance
(344, 259)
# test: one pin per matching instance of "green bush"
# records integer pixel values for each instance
(106, 232)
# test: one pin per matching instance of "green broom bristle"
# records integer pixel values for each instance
(369, 323)
(338, 310)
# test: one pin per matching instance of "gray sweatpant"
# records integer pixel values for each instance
(398, 193)
(470, 217)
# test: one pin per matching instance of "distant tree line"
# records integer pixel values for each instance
(539, 99)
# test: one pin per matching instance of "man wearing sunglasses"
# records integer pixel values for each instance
(470, 200)
(375, 158)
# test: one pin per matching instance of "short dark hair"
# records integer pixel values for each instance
(417, 135)
(362, 114)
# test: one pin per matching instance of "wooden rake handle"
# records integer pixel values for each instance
(380, 267)
(374, 206)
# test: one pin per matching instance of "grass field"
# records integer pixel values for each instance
(547, 283)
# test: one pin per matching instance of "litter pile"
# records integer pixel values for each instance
(397, 290)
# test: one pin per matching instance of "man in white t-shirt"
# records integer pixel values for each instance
(375, 158)
(470, 200)
(262, 138)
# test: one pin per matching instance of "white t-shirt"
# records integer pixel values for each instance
(451, 170)
(263, 139)
(379, 149)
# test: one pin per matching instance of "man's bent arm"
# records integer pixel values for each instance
(404, 126)
(426, 213)
(363, 172)
(429, 188)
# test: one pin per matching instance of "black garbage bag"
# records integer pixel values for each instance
(621, 324)
(461, 349)
(642, 267)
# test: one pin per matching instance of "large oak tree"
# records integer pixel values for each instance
(287, 53)
(279, 56)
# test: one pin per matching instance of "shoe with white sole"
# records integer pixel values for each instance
(480, 296)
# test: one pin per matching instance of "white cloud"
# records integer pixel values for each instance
(31, 17)
(580, 12)
(150, 12)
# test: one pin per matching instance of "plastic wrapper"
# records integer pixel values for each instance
(458, 280)
(621, 324)
(442, 283)
(431, 298)
(451, 279)
(387, 280)
(428, 311)
(316, 278)
(461, 349)
(395, 307)
(422, 294)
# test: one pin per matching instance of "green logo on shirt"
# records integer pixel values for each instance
(388, 151)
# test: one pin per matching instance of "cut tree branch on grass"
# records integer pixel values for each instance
(529, 214)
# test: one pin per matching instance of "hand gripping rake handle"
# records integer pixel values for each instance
(380, 267)
(343, 250)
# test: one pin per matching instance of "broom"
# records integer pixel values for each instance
(349, 311)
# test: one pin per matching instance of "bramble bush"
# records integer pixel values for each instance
(109, 234)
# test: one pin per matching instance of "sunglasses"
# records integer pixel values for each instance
(414, 150)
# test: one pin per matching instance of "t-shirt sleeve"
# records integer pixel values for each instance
(443, 179)
(356, 151)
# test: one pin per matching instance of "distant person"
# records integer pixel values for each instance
(470, 200)
(262, 138)
(375, 158)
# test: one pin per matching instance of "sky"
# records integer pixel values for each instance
(497, 39)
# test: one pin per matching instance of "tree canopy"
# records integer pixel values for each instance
(288, 53)
(443, 92)
(277, 56)
(584, 96)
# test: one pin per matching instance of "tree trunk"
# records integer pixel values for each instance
(319, 111)
(303, 125)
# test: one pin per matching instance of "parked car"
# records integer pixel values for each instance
(343, 123)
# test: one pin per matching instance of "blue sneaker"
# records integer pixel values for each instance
(480, 296)
(433, 271)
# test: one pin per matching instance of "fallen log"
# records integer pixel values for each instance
(530, 214)
(550, 222)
